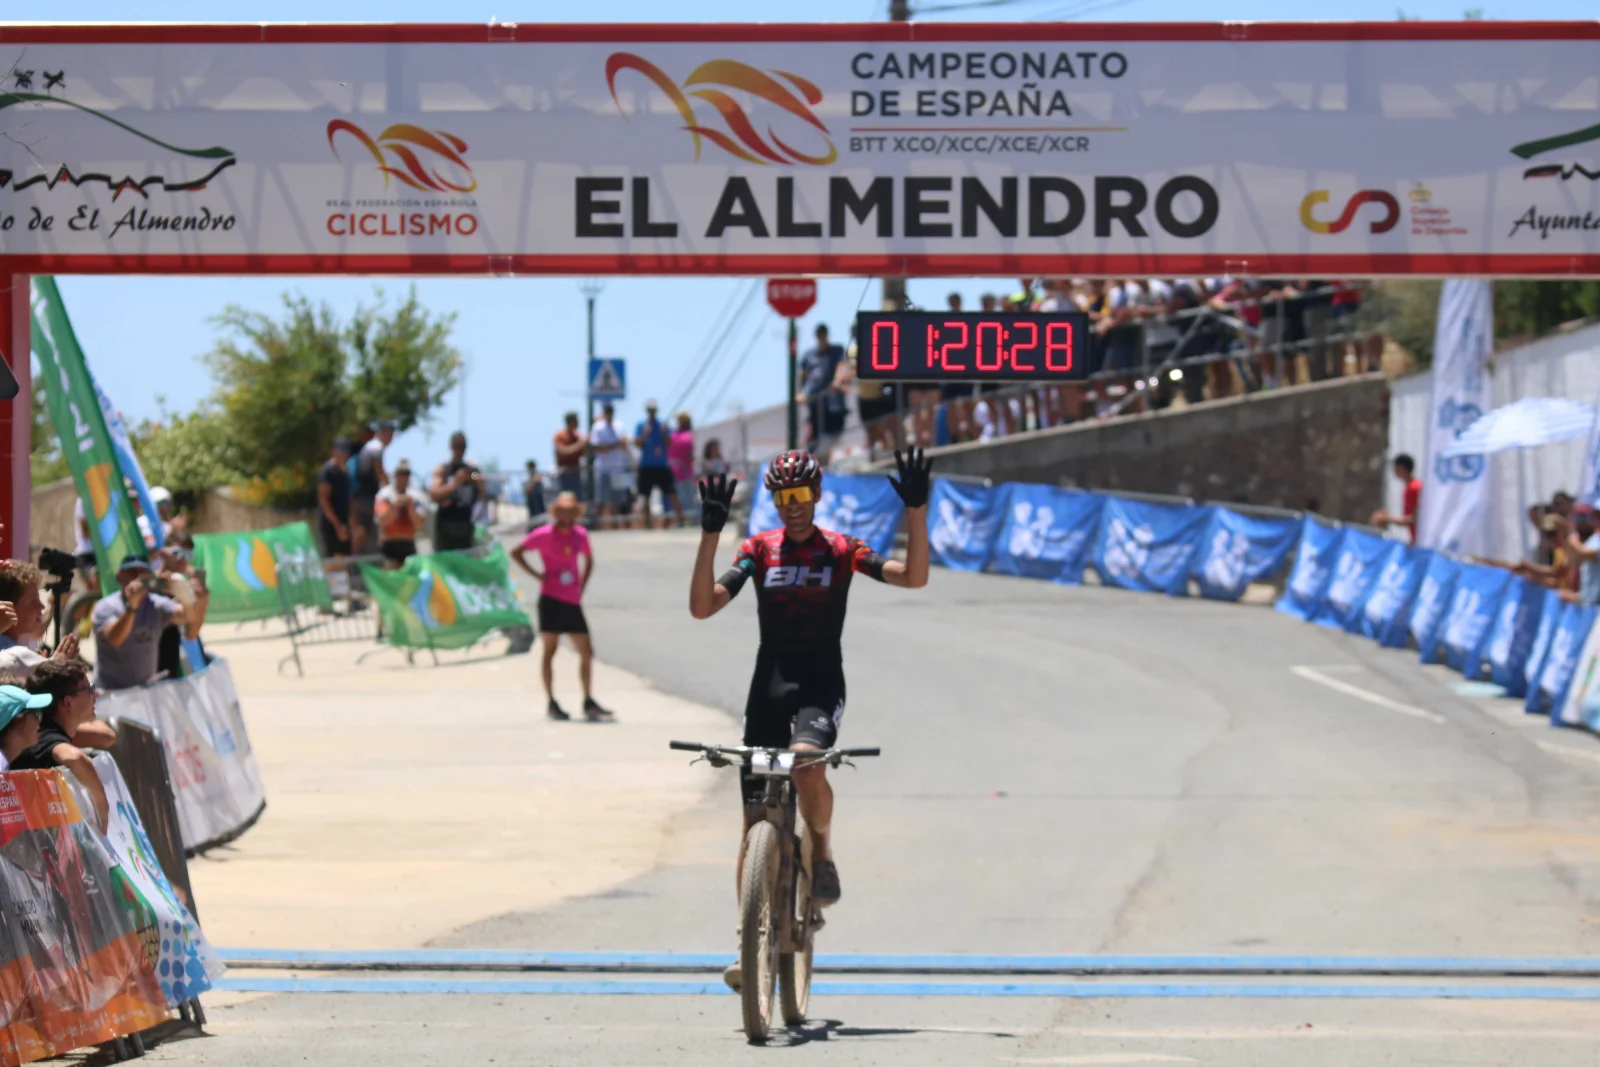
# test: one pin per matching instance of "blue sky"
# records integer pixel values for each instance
(524, 338)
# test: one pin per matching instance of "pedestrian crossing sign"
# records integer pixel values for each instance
(608, 378)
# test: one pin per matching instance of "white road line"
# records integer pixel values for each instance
(1567, 750)
(1312, 674)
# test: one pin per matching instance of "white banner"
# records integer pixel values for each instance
(184, 961)
(1454, 515)
(214, 774)
(1134, 149)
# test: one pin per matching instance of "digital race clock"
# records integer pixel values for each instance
(972, 346)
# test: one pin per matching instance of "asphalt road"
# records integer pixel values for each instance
(1066, 771)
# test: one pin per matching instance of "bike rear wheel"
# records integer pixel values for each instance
(758, 937)
(794, 966)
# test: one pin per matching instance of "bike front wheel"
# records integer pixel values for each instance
(758, 938)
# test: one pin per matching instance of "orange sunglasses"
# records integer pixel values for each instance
(800, 494)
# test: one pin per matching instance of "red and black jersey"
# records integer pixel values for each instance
(801, 587)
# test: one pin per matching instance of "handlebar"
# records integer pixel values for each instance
(743, 751)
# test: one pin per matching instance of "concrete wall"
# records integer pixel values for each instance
(1326, 442)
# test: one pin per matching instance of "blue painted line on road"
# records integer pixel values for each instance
(946, 963)
(1076, 990)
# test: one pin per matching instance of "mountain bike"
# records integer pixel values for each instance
(777, 918)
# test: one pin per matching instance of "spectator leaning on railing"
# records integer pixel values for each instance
(20, 584)
(67, 728)
(19, 721)
(128, 624)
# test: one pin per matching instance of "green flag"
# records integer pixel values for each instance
(80, 424)
(448, 600)
(255, 574)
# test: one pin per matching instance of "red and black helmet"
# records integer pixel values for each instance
(788, 470)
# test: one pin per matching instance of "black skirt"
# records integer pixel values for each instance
(560, 617)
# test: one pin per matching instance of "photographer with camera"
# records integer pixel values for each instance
(128, 625)
(20, 589)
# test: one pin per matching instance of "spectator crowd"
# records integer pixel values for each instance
(1153, 341)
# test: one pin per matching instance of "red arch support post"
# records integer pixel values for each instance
(16, 417)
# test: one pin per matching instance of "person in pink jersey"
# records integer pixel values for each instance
(560, 544)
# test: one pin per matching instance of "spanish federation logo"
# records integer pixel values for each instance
(711, 83)
(425, 160)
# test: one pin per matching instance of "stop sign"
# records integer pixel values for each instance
(791, 297)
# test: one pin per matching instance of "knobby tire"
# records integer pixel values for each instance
(758, 913)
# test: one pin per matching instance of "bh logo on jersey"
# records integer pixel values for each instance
(798, 576)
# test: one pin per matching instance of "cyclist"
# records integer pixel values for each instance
(802, 578)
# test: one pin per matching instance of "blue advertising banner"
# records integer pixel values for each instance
(964, 520)
(1356, 568)
(1472, 611)
(1581, 705)
(864, 506)
(1236, 550)
(1147, 547)
(1313, 568)
(1047, 533)
(1427, 610)
(1561, 660)
(1386, 611)
(1511, 638)
(860, 505)
(1549, 616)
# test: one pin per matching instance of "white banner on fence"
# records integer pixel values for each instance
(1134, 149)
(1454, 515)
(214, 774)
(186, 963)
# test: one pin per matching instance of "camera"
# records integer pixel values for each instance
(59, 565)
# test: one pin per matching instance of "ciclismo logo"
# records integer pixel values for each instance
(710, 82)
(1390, 219)
(427, 161)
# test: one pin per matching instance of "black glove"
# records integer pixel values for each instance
(716, 497)
(913, 483)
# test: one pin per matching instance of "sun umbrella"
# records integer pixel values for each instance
(1526, 423)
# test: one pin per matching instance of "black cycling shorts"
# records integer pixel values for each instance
(782, 712)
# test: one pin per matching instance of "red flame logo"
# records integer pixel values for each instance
(709, 81)
(399, 152)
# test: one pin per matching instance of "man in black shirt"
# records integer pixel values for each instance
(68, 724)
(457, 485)
(533, 495)
(333, 500)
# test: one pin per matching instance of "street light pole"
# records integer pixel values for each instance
(590, 289)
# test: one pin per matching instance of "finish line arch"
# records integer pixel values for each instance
(1300, 149)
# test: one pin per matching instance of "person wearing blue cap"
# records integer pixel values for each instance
(19, 721)
(65, 689)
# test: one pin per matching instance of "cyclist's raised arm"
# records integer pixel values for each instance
(913, 573)
(913, 486)
(707, 596)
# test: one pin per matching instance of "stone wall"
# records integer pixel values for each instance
(1325, 443)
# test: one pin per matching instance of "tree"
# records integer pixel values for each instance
(46, 463)
(187, 453)
(287, 386)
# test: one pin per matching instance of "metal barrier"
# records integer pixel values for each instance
(354, 616)
(142, 759)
